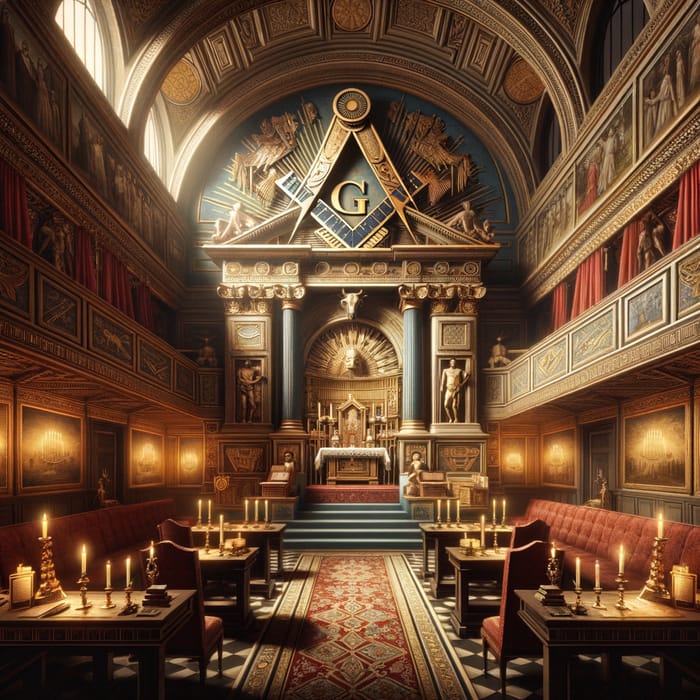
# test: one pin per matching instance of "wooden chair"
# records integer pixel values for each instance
(529, 532)
(176, 532)
(505, 635)
(178, 567)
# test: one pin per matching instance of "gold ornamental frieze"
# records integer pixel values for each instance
(261, 291)
(260, 272)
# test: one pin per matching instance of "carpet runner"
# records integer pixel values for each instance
(354, 625)
(355, 493)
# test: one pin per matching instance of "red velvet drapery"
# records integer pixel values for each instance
(116, 284)
(84, 260)
(144, 307)
(14, 212)
(590, 284)
(688, 213)
(559, 316)
(629, 260)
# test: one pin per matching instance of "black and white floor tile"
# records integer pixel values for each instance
(68, 679)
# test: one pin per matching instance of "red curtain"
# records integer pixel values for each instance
(629, 261)
(14, 212)
(559, 316)
(144, 307)
(84, 260)
(116, 284)
(590, 285)
(688, 214)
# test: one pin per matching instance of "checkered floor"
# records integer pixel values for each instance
(68, 679)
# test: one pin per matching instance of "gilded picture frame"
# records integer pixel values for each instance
(51, 452)
(559, 459)
(657, 450)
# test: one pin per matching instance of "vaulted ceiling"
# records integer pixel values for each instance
(208, 65)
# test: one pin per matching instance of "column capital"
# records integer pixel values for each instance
(466, 295)
(257, 298)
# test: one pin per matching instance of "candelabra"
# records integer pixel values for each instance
(553, 570)
(621, 581)
(83, 581)
(655, 587)
(152, 569)
(50, 588)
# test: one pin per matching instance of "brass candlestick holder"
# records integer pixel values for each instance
(621, 581)
(578, 608)
(108, 604)
(598, 605)
(553, 571)
(83, 581)
(152, 569)
(655, 586)
(50, 587)
(129, 606)
(495, 539)
(206, 540)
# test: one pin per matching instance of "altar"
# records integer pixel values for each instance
(356, 464)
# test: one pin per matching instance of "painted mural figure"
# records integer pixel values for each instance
(248, 376)
(650, 247)
(453, 380)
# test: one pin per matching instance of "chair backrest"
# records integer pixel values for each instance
(529, 532)
(178, 568)
(180, 533)
(525, 567)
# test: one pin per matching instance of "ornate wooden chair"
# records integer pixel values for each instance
(172, 530)
(505, 635)
(529, 532)
(201, 635)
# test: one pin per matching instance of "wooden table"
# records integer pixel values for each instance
(473, 568)
(233, 569)
(646, 628)
(439, 537)
(269, 539)
(99, 633)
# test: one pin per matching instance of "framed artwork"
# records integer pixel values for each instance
(146, 452)
(688, 288)
(559, 459)
(513, 460)
(154, 363)
(656, 449)
(59, 310)
(190, 461)
(51, 450)
(238, 458)
(184, 380)
(4, 447)
(111, 339)
(594, 339)
(16, 292)
(647, 309)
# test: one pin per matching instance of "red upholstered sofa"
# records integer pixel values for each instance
(597, 533)
(108, 534)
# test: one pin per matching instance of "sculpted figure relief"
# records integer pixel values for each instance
(451, 384)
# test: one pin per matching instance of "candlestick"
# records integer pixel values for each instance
(578, 572)
(457, 514)
(209, 512)
(108, 604)
(128, 572)
(82, 583)
(621, 581)
(255, 510)
(503, 515)
(439, 520)
(494, 510)
(83, 561)
(152, 566)
(597, 573)
(44, 526)
(199, 512)
(661, 525)
(578, 608)
(245, 507)
(50, 587)
(319, 410)
(622, 560)
(598, 590)
(108, 575)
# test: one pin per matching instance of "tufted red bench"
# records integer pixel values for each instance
(108, 533)
(597, 533)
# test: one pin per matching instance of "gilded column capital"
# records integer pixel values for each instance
(257, 298)
(412, 296)
(468, 298)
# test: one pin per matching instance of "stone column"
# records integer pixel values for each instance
(292, 368)
(412, 406)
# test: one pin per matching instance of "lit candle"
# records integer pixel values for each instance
(44, 526)
(128, 572)
(661, 525)
(319, 409)
(150, 551)
(483, 531)
(438, 509)
(622, 559)
(457, 513)
(108, 574)
(597, 574)
(331, 413)
(578, 572)
(554, 552)
(221, 528)
(503, 516)
(256, 510)
(199, 510)
(245, 505)
(267, 512)
(494, 510)
(209, 512)
(83, 561)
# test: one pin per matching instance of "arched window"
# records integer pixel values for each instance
(152, 146)
(618, 25)
(79, 23)
(550, 137)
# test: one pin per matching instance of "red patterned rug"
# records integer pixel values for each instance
(354, 626)
(351, 494)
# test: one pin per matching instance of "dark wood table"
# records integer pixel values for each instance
(474, 568)
(232, 569)
(100, 633)
(438, 538)
(645, 628)
(269, 539)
